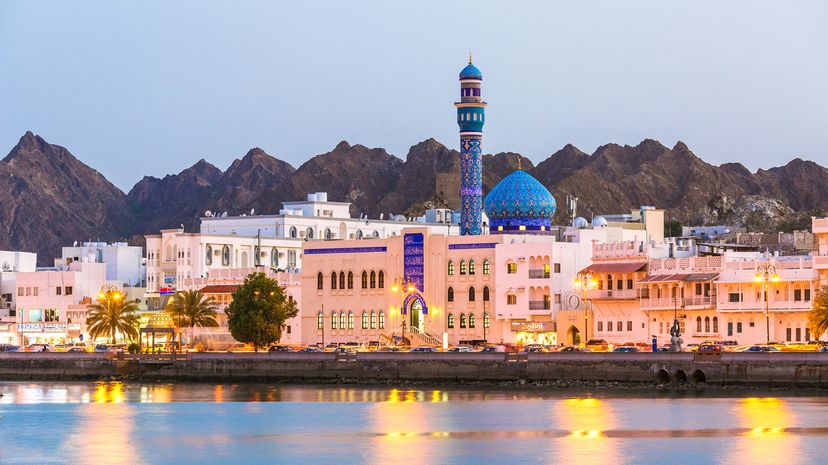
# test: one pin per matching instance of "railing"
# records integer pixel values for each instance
(538, 274)
(694, 264)
(661, 303)
(540, 305)
(425, 337)
(612, 294)
(698, 301)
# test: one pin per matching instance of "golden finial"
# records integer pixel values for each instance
(470, 60)
(519, 163)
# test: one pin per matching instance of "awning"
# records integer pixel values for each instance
(219, 289)
(679, 277)
(628, 267)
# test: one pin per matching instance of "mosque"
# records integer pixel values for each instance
(501, 285)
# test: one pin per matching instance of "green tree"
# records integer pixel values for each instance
(111, 316)
(259, 310)
(818, 317)
(672, 228)
(191, 309)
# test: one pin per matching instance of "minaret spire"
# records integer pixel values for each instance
(470, 117)
(470, 57)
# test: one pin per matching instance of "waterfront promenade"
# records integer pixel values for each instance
(798, 369)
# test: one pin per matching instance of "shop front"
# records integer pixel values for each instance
(42, 333)
(535, 332)
(7, 334)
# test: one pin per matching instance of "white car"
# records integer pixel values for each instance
(461, 349)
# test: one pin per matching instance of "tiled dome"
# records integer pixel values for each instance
(471, 72)
(519, 203)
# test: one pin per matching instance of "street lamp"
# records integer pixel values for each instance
(110, 292)
(766, 274)
(585, 280)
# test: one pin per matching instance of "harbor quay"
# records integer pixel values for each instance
(788, 369)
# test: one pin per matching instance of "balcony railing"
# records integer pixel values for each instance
(538, 274)
(540, 305)
(668, 302)
(697, 301)
(612, 294)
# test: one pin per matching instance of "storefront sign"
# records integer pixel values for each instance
(29, 327)
(73, 326)
(532, 327)
(54, 327)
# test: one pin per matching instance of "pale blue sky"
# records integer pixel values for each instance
(134, 88)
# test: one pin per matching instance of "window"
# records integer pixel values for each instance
(334, 320)
(320, 321)
(381, 279)
(472, 267)
(293, 231)
(309, 233)
(450, 294)
(20, 291)
(333, 280)
(342, 320)
(208, 257)
(373, 279)
(319, 279)
(629, 326)
(462, 320)
(350, 280)
(350, 320)
(629, 284)
(619, 285)
(730, 328)
(807, 296)
(486, 320)
(486, 294)
(274, 258)
(364, 319)
(328, 234)
(381, 319)
(715, 324)
(486, 266)
(797, 295)
(450, 268)
(451, 320)
(738, 326)
(373, 320)
(600, 326)
(365, 280)
(707, 324)
(66, 291)
(342, 280)
(462, 267)
(511, 268)
(35, 290)
(511, 299)
(58, 290)
(557, 267)
(471, 320)
(50, 315)
(698, 324)
(291, 259)
(472, 294)
(620, 326)
(734, 297)
(609, 325)
(225, 255)
(698, 288)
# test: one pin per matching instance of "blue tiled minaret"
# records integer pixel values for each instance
(470, 110)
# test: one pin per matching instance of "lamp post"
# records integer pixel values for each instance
(400, 284)
(585, 280)
(109, 293)
(766, 274)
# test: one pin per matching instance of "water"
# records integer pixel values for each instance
(116, 423)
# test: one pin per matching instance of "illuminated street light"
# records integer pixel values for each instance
(766, 274)
(585, 280)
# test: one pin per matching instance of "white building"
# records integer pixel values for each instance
(12, 262)
(124, 263)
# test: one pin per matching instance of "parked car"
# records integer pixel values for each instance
(496, 348)
(387, 349)
(573, 349)
(823, 349)
(597, 345)
(424, 349)
(9, 348)
(308, 349)
(710, 349)
(40, 348)
(461, 349)
(281, 349)
(756, 349)
(626, 349)
(533, 348)
(691, 347)
(76, 349)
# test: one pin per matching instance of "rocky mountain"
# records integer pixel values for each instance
(48, 198)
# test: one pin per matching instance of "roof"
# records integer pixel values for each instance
(627, 267)
(679, 277)
(471, 72)
(219, 289)
(519, 195)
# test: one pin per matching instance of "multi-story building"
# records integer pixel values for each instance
(124, 263)
(11, 262)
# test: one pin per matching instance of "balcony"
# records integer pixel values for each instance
(540, 305)
(538, 274)
(602, 294)
(759, 306)
(699, 301)
(663, 303)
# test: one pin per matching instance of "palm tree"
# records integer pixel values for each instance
(818, 317)
(192, 308)
(111, 316)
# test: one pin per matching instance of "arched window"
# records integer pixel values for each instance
(359, 234)
(462, 267)
(471, 320)
(462, 320)
(309, 233)
(373, 279)
(381, 319)
(471, 267)
(342, 280)
(472, 294)
(208, 258)
(381, 280)
(225, 255)
(350, 320)
(373, 320)
(293, 232)
(609, 282)
(364, 319)
(486, 320)
(707, 324)
(320, 321)
(319, 280)
(333, 280)
(451, 320)
(450, 294)
(334, 320)
(342, 320)
(365, 280)
(350, 280)
(486, 294)
(450, 268)
(291, 264)
(328, 233)
(274, 258)
(375, 234)
(715, 324)
(486, 266)
(698, 324)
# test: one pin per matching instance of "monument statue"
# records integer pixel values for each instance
(675, 339)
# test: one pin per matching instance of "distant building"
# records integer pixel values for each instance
(124, 263)
(11, 263)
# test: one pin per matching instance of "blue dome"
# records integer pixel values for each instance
(471, 72)
(519, 203)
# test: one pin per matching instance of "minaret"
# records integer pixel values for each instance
(470, 111)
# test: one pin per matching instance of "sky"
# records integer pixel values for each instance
(150, 87)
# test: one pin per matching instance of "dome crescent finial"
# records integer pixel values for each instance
(470, 57)
(519, 163)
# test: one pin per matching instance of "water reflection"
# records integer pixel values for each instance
(103, 431)
(766, 437)
(585, 421)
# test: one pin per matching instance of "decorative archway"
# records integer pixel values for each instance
(573, 335)
(415, 306)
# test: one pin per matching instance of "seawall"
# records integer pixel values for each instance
(768, 369)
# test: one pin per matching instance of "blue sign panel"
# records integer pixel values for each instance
(413, 261)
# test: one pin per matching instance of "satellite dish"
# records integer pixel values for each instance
(252, 210)
(224, 215)
(75, 244)
(382, 215)
(208, 213)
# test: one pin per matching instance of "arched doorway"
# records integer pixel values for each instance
(416, 312)
(415, 306)
(573, 336)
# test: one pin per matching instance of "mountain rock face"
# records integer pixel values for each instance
(49, 199)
